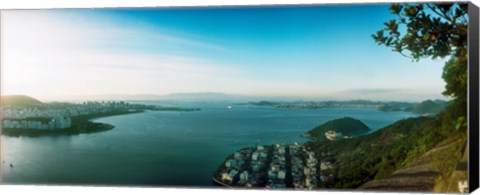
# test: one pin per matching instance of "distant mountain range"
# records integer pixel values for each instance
(428, 107)
(204, 96)
(197, 96)
(20, 101)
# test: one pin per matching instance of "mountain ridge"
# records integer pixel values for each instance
(20, 101)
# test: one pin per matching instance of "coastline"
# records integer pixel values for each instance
(220, 183)
(81, 125)
(310, 137)
(84, 124)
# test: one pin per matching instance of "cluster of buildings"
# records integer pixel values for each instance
(56, 115)
(236, 166)
(310, 170)
(258, 164)
(296, 160)
(246, 167)
(276, 166)
(57, 122)
(278, 171)
(307, 170)
(331, 104)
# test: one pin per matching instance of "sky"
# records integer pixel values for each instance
(308, 52)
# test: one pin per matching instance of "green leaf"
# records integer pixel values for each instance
(396, 9)
(459, 123)
(380, 34)
(426, 37)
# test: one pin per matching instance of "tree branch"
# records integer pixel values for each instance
(441, 14)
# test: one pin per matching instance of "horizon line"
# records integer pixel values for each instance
(237, 97)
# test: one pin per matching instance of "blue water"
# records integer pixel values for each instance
(159, 148)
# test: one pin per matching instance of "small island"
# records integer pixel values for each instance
(26, 116)
(340, 128)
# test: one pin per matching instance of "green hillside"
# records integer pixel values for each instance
(439, 169)
(429, 107)
(19, 101)
(346, 125)
(378, 155)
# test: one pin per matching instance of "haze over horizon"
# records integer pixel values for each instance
(213, 96)
(309, 52)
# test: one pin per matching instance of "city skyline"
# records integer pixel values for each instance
(314, 52)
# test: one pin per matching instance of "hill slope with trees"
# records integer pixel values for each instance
(436, 144)
(347, 126)
(20, 101)
(379, 154)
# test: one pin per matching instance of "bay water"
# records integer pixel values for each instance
(165, 148)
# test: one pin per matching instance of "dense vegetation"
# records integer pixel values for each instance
(429, 107)
(264, 103)
(347, 126)
(432, 31)
(361, 159)
(419, 31)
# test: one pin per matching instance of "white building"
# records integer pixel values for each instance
(281, 175)
(243, 176)
(333, 135)
(255, 156)
(226, 177)
(260, 148)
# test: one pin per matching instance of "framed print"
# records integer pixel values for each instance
(374, 97)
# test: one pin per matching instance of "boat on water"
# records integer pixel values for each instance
(229, 107)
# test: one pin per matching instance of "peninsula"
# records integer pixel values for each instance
(404, 155)
(295, 165)
(274, 167)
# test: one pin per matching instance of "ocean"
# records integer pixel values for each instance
(164, 148)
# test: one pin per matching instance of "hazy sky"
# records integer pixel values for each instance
(312, 52)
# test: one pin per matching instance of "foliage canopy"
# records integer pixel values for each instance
(432, 31)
